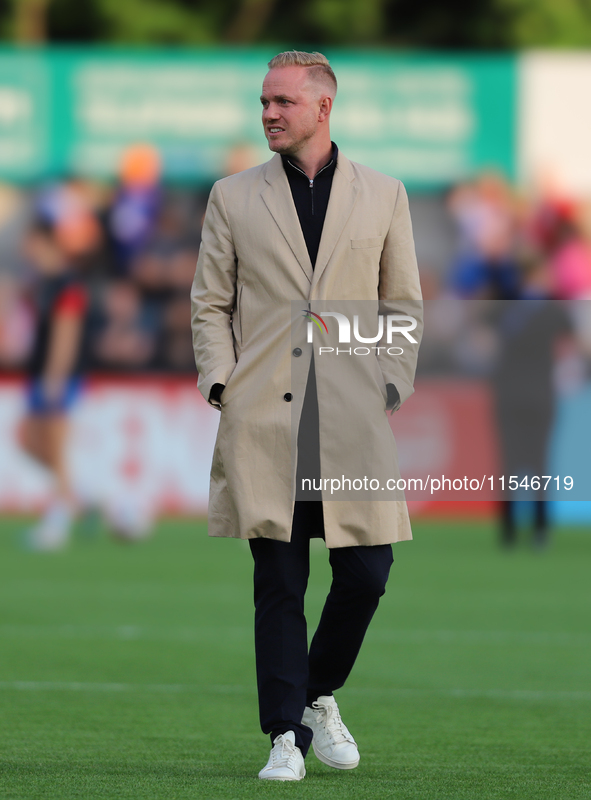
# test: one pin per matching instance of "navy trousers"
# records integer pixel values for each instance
(288, 676)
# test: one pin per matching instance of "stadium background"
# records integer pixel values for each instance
(69, 118)
(121, 668)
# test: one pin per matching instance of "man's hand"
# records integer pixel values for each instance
(215, 395)
(393, 398)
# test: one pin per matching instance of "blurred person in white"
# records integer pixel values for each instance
(55, 370)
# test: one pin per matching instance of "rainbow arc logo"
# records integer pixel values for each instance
(313, 317)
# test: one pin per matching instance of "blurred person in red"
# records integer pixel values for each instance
(570, 259)
(560, 226)
(55, 372)
(555, 223)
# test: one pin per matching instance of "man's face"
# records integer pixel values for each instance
(290, 109)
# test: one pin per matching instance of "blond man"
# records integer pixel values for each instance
(307, 228)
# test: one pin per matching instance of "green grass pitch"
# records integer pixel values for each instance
(128, 672)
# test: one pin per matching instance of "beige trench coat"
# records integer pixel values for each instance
(253, 281)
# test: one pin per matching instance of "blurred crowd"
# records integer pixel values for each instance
(134, 245)
(508, 246)
(96, 278)
(511, 246)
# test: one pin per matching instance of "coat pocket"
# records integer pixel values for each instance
(237, 315)
(358, 244)
(240, 292)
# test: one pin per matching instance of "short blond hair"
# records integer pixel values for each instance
(319, 69)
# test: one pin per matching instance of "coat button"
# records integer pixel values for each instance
(287, 397)
(297, 351)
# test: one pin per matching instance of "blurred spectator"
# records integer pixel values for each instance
(56, 366)
(570, 261)
(529, 332)
(560, 227)
(163, 271)
(485, 214)
(16, 324)
(176, 342)
(137, 203)
(10, 203)
(70, 208)
(124, 341)
(547, 210)
(240, 157)
(182, 269)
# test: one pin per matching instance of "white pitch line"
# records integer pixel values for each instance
(493, 694)
(542, 638)
(175, 688)
(79, 686)
(121, 632)
(200, 634)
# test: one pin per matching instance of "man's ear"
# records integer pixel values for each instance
(324, 108)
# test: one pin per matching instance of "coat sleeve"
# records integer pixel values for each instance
(213, 298)
(400, 294)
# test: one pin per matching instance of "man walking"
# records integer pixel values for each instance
(305, 232)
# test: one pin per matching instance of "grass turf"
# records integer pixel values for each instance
(128, 672)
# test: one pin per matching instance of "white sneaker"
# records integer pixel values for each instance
(332, 742)
(286, 762)
(52, 532)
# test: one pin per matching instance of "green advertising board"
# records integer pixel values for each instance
(25, 115)
(427, 119)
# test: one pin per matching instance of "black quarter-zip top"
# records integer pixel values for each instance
(310, 197)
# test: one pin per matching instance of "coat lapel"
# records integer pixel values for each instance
(278, 199)
(340, 205)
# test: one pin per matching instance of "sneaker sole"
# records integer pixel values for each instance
(330, 763)
(273, 778)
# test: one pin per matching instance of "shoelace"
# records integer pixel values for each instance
(333, 722)
(283, 752)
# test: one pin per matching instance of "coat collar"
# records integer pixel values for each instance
(343, 194)
(278, 199)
